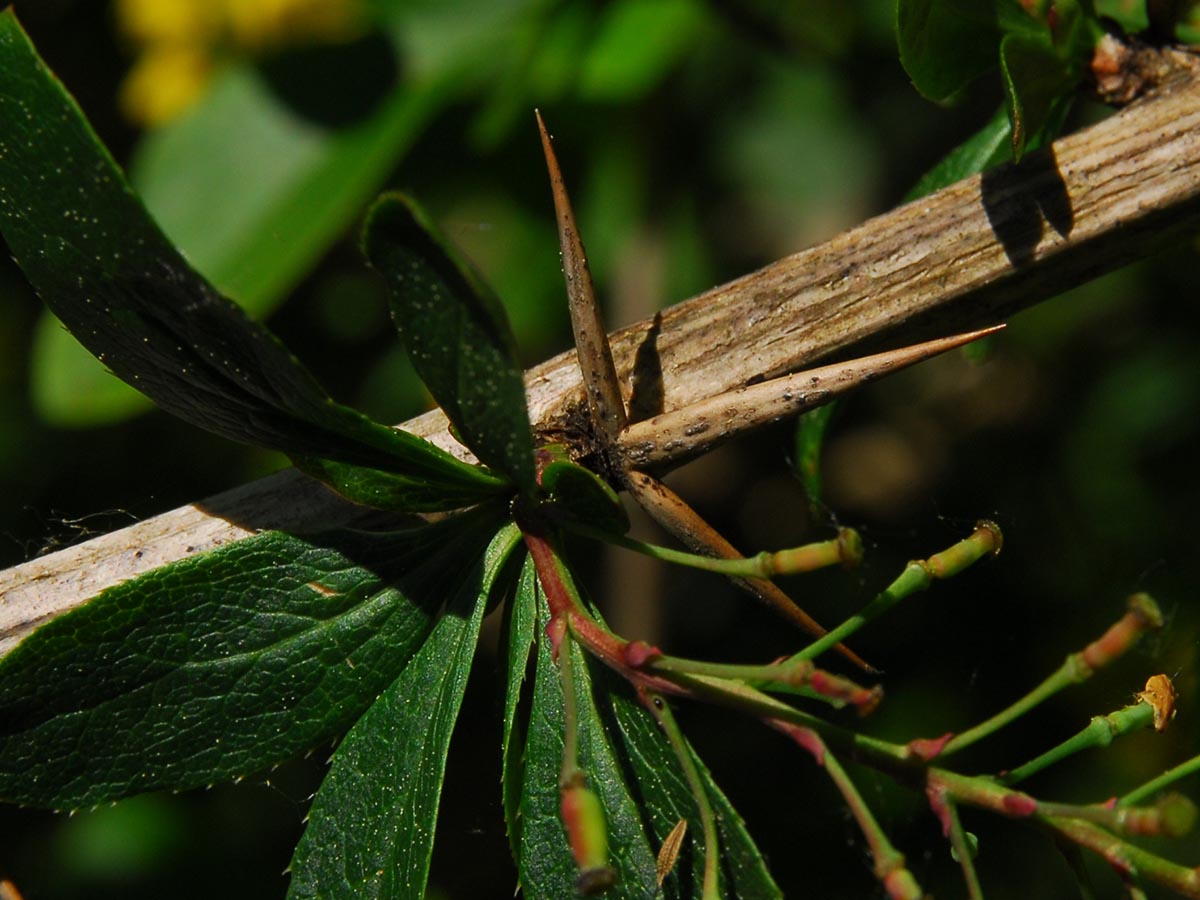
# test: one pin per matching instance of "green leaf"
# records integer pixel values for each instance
(222, 664)
(580, 495)
(1035, 77)
(945, 44)
(370, 831)
(547, 868)
(105, 269)
(267, 190)
(521, 622)
(630, 765)
(1131, 16)
(70, 388)
(810, 440)
(987, 147)
(636, 44)
(456, 334)
(1187, 28)
(396, 491)
(664, 790)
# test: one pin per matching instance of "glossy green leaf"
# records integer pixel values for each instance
(945, 44)
(521, 621)
(987, 147)
(631, 766)
(105, 269)
(222, 664)
(456, 334)
(370, 830)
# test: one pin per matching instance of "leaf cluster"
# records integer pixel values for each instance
(1044, 50)
(233, 661)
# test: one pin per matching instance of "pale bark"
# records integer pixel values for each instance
(960, 259)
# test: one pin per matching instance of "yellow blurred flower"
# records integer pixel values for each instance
(156, 22)
(179, 42)
(166, 79)
(261, 24)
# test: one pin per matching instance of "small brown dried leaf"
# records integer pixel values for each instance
(668, 855)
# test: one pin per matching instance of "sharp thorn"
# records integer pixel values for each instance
(591, 338)
(673, 435)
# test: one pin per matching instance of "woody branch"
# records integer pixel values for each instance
(963, 258)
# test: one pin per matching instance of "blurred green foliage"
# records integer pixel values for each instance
(700, 139)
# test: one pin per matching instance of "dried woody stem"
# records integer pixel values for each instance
(963, 258)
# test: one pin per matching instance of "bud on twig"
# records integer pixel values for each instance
(587, 832)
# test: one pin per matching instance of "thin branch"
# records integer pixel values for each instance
(673, 513)
(963, 258)
(1143, 615)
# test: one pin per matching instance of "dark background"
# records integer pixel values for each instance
(700, 141)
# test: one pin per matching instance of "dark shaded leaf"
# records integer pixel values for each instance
(945, 44)
(105, 269)
(1035, 77)
(370, 831)
(521, 621)
(580, 495)
(630, 764)
(663, 789)
(222, 664)
(391, 490)
(547, 868)
(456, 334)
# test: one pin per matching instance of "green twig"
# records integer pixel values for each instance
(889, 862)
(845, 549)
(1116, 851)
(1143, 615)
(1172, 816)
(964, 851)
(791, 676)
(1100, 732)
(946, 809)
(666, 720)
(742, 697)
(1129, 859)
(917, 576)
(1168, 777)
